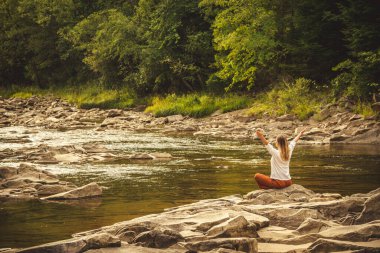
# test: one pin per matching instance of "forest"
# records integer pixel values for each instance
(176, 47)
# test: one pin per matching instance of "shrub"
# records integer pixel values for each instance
(289, 98)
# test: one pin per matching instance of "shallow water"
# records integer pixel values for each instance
(201, 168)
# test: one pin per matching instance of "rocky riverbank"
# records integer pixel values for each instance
(294, 219)
(26, 182)
(289, 220)
(336, 124)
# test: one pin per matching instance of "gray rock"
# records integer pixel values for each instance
(157, 238)
(234, 227)
(355, 233)
(290, 218)
(371, 210)
(311, 225)
(327, 245)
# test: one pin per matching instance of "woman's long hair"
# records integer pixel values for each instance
(283, 146)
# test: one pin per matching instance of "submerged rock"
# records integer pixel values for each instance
(87, 191)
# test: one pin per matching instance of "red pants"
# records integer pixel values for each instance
(265, 182)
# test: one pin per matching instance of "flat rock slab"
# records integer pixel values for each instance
(76, 245)
(235, 224)
(328, 245)
(86, 191)
(125, 248)
(279, 248)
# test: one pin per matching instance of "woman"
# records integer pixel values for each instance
(279, 176)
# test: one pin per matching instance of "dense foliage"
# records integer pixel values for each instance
(177, 46)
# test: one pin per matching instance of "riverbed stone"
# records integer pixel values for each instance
(157, 238)
(275, 233)
(282, 248)
(248, 245)
(45, 190)
(87, 191)
(355, 233)
(329, 245)
(311, 225)
(237, 226)
(76, 245)
(371, 210)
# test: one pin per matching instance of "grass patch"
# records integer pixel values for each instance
(22, 95)
(196, 105)
(84, 96)
(365, 109)
(294, 98)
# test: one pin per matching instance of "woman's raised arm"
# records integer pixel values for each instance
(261, 136)
(299, 135)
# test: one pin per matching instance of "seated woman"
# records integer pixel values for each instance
(279, 176)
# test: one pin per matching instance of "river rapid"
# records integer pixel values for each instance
(201, 168)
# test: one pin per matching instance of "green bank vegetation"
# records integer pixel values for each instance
(212, 54)
(197, 105)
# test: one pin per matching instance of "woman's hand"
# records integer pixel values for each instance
(300, 134)
(260, 135)
(259, 131)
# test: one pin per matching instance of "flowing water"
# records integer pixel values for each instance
(201, 168)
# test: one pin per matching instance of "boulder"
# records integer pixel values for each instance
(157, 238)
(234, 227)
(311, 225)
(328, 245)
(86, 191)
(371, 210)
(281, 193)
(335, 209)
(355, 233)
(45, 190)
(290, 218)
(7, 172)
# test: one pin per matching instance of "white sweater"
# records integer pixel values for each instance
(279, 167)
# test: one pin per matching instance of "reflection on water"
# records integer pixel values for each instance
(201, 168)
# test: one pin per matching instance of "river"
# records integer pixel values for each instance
(201, 168)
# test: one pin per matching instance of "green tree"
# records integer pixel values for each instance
(359, 73)
(245, 40)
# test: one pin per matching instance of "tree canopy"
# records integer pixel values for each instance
(161, 46)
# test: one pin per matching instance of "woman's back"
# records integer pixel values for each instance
(279, 166)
